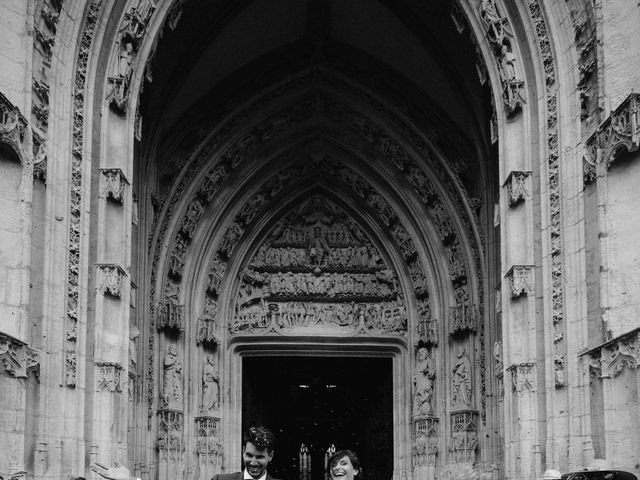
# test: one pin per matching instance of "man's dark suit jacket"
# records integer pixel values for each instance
(236, 476)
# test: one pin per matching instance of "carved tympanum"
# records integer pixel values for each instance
(317, 268)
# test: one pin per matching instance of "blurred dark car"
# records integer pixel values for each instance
(599, 475)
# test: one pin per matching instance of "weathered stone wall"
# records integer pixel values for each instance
(623, 220)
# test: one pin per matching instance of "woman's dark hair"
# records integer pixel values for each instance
(350, 454)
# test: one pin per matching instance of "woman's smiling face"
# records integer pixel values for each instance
(343, 469)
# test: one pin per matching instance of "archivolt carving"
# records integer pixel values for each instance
(500, 36)
(73, 261)
(424, 190)
(317, 269)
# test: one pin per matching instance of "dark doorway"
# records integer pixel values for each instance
(319, 401)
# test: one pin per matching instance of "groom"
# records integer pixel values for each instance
(257, 452)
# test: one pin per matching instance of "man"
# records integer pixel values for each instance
(257, 452)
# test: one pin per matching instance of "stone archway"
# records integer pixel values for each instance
(189, 222)
(317, 237)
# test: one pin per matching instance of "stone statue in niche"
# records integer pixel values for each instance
(134, 333)
(172, 379)
(423, 382)
(461, 380)
(210, 385)
(317, 248)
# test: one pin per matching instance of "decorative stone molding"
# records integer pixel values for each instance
(464, 435)
(613, 357)
(17, 358)
(207, 331)
(425, 441)
(517, 185)
(620, 131)
(208, 443)
(462, 319)
(108, 377)
(500, 36)
(170, 441)
(13, 126)
(427, 327)
(75, 191)
(114, 183)
(45, 41)
(520, 280)
(523, 377)
(170, 316)
(110, 279)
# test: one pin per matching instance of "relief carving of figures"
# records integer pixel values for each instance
(381, 206)
(404, 241)
(457, 270)
(418, 278)
(232, 235)
(210, 385)
(250, 209)
(191, 219)
(208, 324)
(212, 182)
(461, 380)
(497, 27)
(135, 21)
(443, 222)
(170, 313)
(172, 379)
(177, 256)
(427, 326)
(424, 383)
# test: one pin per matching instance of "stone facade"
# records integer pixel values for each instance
(449, 185)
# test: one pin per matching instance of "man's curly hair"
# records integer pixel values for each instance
(260, 436)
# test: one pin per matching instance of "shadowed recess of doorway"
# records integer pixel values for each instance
(320, 401)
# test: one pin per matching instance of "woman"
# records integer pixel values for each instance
(344, 465)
